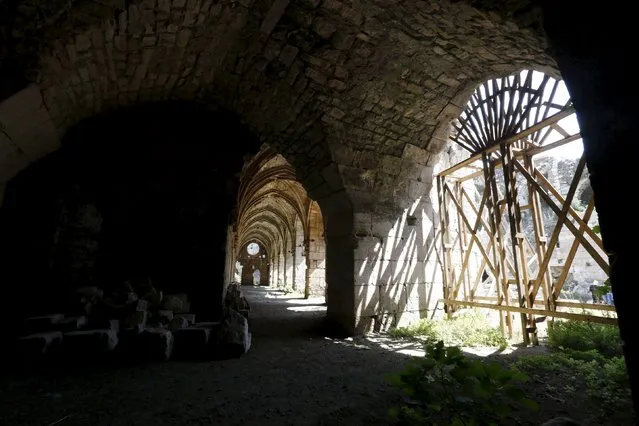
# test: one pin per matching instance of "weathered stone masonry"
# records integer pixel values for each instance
(339, 88)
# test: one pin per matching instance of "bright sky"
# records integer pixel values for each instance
(570, 124)
(557, 100)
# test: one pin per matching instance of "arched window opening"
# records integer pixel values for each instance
(519, 230)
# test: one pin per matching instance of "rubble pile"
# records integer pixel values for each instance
(139, 323)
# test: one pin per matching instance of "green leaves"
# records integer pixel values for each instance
(469, 328)
(448, 388)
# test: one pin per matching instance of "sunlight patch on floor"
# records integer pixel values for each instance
(310, 308)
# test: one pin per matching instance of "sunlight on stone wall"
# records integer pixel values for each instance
(398, 275)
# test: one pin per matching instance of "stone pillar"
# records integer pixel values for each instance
(337, 211)
(299, 282)
(594, 48)
(229, 266)
(316, 254)
(281, 269)
(398, 278)
(290, 265)
(271, 270)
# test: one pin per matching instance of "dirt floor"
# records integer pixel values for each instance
(293, 375)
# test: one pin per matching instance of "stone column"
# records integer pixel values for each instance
(271, 271)
(290, 265)
(398, 277)
(300, 261)
(594, 48)
(229, 266)
(281, 276)
(337, 211)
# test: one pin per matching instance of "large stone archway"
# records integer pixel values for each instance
(141, 192)
(274, 208)
(357, 96)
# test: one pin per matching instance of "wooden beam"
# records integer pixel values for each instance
(552, 119)
(534, 150)
(561, 304)
(558, 285)
(539, 312)
(586, 244)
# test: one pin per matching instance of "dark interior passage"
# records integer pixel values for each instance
(137, 194)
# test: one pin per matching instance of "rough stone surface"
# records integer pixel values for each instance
(38, 345)
(357, 96)
(191, 342)
(87, 343)
(234, 338)
(157, 344)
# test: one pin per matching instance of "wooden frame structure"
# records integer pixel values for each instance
(485, 199)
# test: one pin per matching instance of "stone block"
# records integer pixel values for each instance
(140, 305)
(172, 303)
(186, 308)
(234, 339)
(273, 16)
(156, 344)
(155, 299)
(392, 298)
(136, 319)
(37, 345)
(366, 300)
(89, 342)
(177, 323)
(91, 293)
(189, 317)
(104, 324)
(191, 342)
(71, 324)
(166, 314)
(421, 296)
(41, 324)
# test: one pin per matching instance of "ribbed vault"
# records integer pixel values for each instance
(271, 202)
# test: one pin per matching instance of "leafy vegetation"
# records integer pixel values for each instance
(589, 353)
(606, 379)
(585, 336)
(445, 387)
(469, 328)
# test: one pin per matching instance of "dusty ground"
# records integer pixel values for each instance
(293, 375)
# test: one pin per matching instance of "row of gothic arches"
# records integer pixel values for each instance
(359, 103)
(279, 230)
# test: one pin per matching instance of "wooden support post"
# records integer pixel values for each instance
(540, 239)
(446, 258)
(494, 216)
(573, 251)
(516, 237)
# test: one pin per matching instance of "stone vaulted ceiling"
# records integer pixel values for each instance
(356, 94)
(270, 201)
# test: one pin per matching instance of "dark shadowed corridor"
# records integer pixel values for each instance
(291, 376)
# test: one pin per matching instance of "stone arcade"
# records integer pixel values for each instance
(159, 138)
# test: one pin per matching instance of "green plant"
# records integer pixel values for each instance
(469, 328)
(606, 379)
(446, 387)
(585, 336)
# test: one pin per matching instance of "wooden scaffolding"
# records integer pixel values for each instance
(485, 200)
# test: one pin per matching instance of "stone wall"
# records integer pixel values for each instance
(164, 195)
(76, 241)
(357, 95)
(300, 257)
(398, 273)
(249, 263)
(316, 254)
